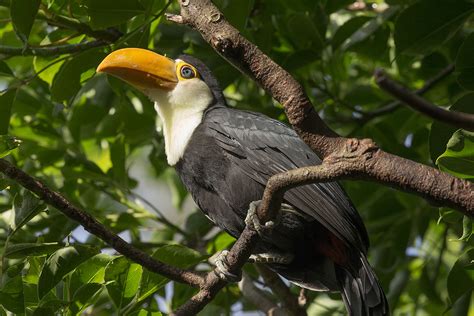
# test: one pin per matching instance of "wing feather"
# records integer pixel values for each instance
(261, 147)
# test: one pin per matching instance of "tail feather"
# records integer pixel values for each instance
(361, 291)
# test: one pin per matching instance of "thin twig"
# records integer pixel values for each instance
(393, 105)
(94, 227)
(50, 50)
(26, 81)
(457, 119)
(109, 35)
(343, 157)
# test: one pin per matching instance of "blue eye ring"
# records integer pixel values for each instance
(187, 72)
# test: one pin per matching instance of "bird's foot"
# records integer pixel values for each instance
(253, 222)
(219, 260)
(271, 257)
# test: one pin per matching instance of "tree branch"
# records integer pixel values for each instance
(94, 227)
(343, 157)
(393, 105)
(54, 50)
(110, 35)
(457, 119)
(381, 167)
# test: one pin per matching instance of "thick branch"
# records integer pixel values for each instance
(54, 50)
(226, 40)
(94, 227)
(457, 119)
(344, 158)
(205, 17)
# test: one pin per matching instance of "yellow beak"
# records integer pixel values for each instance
(141, 68)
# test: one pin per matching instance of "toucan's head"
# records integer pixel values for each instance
(181, 89)
(183, 82)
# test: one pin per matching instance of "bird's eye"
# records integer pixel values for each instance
(187, 72)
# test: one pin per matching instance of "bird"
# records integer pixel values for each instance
(225, 156)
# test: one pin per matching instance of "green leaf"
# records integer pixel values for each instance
(123, 280)
(18, 251)
(8, 144)
(106, 13)
(458, 159)
(427, 24)
(47, 68)
(305, 32)
(347, 29)
(118, 158)
(11, 294)
(5, 70)
(369, 28)
(440, 133)
(90, 271)
(221, 241)
(6, 102)
(85, 296)
(68, 80)
(465, 63)
(24, 208)
(467, 228)
(23, 13)
(61, 263)
(461, 277)
(144, 312)
(176, 255)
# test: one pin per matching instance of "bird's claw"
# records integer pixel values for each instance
(268, 257)
(219, 260)
(253, 222)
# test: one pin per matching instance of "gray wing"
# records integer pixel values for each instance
(261, 147)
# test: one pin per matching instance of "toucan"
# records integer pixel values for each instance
(225, 156)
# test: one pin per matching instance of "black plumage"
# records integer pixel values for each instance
(226, 165)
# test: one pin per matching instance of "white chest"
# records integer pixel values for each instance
(181, 111)
(178, 127)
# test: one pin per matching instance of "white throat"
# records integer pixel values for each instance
(181, 111)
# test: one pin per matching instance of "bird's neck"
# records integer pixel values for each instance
(178, 127)
(181, 111)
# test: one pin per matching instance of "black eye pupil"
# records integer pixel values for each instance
(187, 72)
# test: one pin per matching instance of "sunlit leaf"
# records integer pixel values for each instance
(24, 208)
(458, 159)
(123, 280)
(85, 296)
(17, 251)
(72, 73)
(440, 133)
(8, 144)
(175, 255)
(61, 263)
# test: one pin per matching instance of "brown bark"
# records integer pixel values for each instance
(343, 158)
(381, 167)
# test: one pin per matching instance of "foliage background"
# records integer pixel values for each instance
(78, 131)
